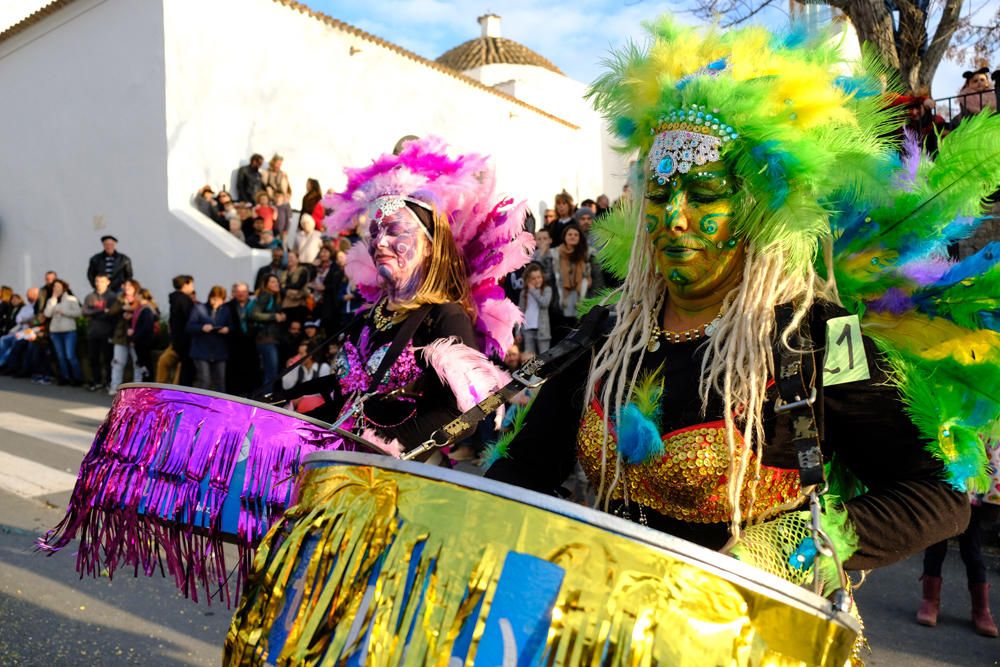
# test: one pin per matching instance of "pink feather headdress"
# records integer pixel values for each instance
(489, 233)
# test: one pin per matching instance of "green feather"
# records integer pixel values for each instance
(614, 235)
(501, 448)
(647, 393)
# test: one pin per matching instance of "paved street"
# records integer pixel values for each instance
(51, 617)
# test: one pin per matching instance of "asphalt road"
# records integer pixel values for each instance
(49, 616)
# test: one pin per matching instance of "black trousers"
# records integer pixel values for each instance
(99, 351)
(970, 546)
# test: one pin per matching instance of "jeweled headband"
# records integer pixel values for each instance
(685, 138)
(386, 205)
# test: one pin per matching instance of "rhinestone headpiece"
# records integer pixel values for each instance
(685, 138)
(385, 205)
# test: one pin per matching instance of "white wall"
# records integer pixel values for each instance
(565, 97)
(308, 98)
(84, 153)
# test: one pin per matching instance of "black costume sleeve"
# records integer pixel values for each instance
(908, 506)
(544, 452)
(436, 405)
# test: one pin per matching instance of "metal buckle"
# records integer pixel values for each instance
(794, 405)
(526, 374)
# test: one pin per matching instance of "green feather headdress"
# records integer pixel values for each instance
(799, 128)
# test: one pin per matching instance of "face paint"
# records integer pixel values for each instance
(689, 219)
(398, 246)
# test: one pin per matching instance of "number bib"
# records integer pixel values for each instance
(845, 359)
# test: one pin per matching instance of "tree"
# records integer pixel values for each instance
(911, 36)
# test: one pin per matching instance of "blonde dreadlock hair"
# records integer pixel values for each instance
(738, 360)
(796, 132)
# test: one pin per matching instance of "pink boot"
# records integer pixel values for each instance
(929, 606)
(981, 617)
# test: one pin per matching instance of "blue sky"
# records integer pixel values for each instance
(573, 34)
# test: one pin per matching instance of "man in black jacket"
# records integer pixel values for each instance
(181, 305)
(248, 178)
(111, 263)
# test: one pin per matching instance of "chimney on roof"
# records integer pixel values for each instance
(490, 24)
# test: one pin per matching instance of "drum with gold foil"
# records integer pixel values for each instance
(386, 562)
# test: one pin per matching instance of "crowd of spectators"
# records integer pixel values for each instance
(241, 340)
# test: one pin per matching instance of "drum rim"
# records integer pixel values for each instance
(728, 568)
(228, 397)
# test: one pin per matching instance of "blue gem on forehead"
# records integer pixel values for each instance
(666, 165)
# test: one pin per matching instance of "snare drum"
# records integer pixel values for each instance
(173, 472)
(386, 562)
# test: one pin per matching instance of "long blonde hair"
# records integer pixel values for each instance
(738, 359)
(445, 278)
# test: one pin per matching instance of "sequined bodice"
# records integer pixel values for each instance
(357, 363)
(689, 482)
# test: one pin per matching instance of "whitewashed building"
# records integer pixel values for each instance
(115, 111)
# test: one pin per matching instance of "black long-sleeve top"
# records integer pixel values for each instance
(907, 506)
(417, 410)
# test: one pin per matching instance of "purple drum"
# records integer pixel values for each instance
(173, 473)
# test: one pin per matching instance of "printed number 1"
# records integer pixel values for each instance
(846, 335)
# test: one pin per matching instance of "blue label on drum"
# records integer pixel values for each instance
(519, 618)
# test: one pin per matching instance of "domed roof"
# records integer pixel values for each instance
(492, 49)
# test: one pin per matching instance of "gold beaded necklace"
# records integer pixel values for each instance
(672, 337)
(381, 320)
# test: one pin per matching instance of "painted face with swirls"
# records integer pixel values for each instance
(398, 246)
(689, 219)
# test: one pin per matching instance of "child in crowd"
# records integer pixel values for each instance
(310, 368)
(283, 213)
(535, 299)
(265, 211)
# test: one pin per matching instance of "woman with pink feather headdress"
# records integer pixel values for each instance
(437, 243)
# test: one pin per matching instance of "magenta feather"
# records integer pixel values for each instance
(488, 230)
(465, 370)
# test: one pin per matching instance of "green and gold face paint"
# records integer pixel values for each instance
(689, 219)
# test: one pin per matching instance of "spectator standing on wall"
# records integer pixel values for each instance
(248, 179)
(283, 214)
(100, 326)
(312, 196)
(141, 332)
(265, 211)
(121, 313)
(267, 317)
(181, 305)
(205, 202)
(61, 312)
(275, 180)
(242, 365)
(209, 329)
(116, 266)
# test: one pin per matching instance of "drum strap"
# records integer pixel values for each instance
(795, 407)
(399, 343)
(530, 376)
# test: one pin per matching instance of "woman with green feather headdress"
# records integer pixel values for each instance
(772, 219)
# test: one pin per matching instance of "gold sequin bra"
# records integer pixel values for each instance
(689, 482)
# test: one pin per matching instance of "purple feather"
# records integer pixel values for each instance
(894, 301)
